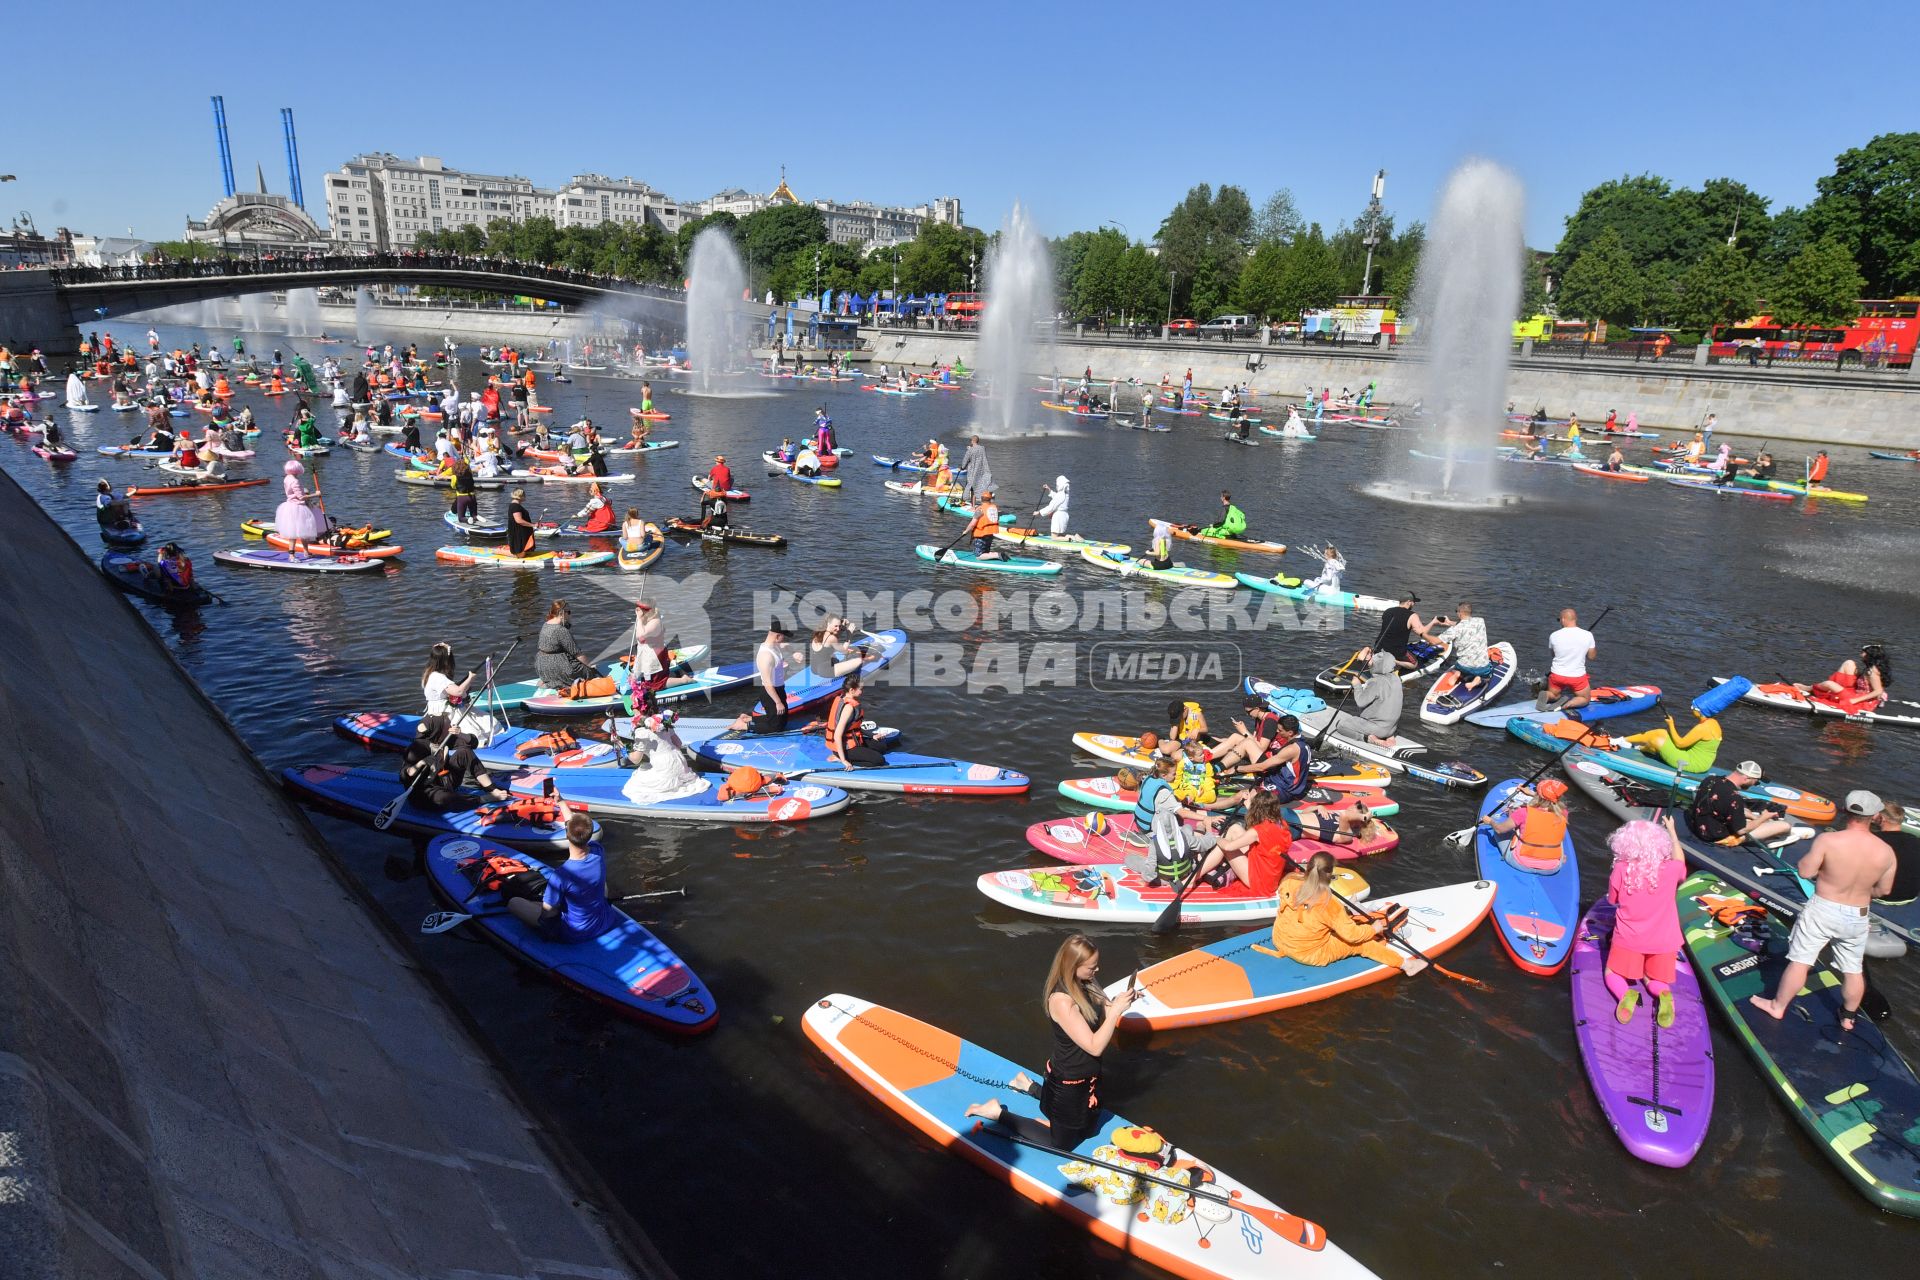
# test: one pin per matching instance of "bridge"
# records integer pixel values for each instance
(47, 308)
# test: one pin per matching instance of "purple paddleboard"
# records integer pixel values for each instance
(1654, 1083)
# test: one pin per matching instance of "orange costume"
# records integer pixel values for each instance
(1323, 933)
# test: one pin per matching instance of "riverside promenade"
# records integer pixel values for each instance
(215, 1060)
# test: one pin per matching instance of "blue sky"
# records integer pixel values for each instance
(1086, 113)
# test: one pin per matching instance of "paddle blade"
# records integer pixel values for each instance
(441, 921)
(1303, 1232)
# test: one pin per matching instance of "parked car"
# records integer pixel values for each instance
(1228, 327)
(1182, 328)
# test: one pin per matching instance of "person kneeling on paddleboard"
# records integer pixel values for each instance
(986, 520)
(573, 905)
(1253, 850)
(1232, 522)
(1537, 821)
(1313, 927)
(806, 462)
(1082, 1021)
(1648, 866)
(1398, 626)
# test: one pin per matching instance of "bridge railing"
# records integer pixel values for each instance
(269, 264)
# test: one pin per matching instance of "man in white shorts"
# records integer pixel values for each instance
(1849, 869)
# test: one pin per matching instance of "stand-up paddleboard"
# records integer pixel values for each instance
(1446, 704)
(140, 578)
(626, 967)
(501, 558)
(1102, 839)
(1318, 595)
(1865, 710)
(1849, 1089)
(329, 561)
(1654, 1084)
(362, 793)
(1238, 977)
(1112, 893)
(604, 791)
(1808, 806)
(1608, 703)
(1401, 754)
(928, 1077)
(806, 690)
(1427, 658)
(1535, 911)
(958, 558)
(807, 753)
(1178, 574)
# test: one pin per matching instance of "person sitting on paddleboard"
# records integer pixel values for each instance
(443, 770)
(110, 509)
(597, 515)
(986, 519)
(174, 570)
(1719, 814)
(1232, 522)
(847, 729)
(1468, 636)
(1377, 699)
(830, 653)
(1648, 866)
(720, 476)
(1328, 579)
(1081, 1020)
(1252, 850)
(1890, 826)
(1160, 545)
(1536, 819)
(1284, 768)
(557, 662)
(1762, 468)
(1857, 680)
(1315, 928)
(1616, 461)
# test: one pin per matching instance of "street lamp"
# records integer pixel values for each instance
(1121, 227)
(1170, 276)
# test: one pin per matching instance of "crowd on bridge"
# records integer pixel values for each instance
(270, 263)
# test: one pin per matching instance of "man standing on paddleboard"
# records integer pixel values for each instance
(1849, 869)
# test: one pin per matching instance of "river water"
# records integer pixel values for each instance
(1430, 1127)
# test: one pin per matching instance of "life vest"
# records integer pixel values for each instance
(546, 744)
(182, 572)
(591, 687)
(1818, 472)
(493, 871)
(1189, 723)
(1295, 778)
(854, 735)
(985, 522)
(1143, 806)
(741, 782)
(1194, 781)
(1538, 840)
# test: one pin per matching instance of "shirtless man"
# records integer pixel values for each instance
(1849, 868)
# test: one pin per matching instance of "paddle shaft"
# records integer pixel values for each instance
(1301, 1231)
(384, 819)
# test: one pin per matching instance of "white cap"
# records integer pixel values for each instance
(1864, 804)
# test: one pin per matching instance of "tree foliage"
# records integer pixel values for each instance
(1603, 283)
(1819, 287)
(1721, 288)
(1870, 203)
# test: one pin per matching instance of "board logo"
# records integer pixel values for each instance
(459, 850)
(1727, 970)
(727, 748)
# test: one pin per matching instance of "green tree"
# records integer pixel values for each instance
(688, 230)
(1204, 242)
(1309, 277)
(1533, 283)
(1143, 285)
(1603, 283)
(1651, 223)
(1095, 289)
(185, 250)
(1787, 235)
(769, 236)
(1718, 289)
(1261, 282)
(942, 259)
(1870, 203)
(1278, 221)
(1820, 287)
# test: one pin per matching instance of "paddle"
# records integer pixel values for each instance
(657, 893)
(1296, 1230)
(1458, 839)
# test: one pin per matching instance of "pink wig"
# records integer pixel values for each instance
(1639, 848)
(293, 467)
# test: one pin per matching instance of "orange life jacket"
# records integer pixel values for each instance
(1819, 471)
(592, 687)
(741, 782)
(985, 522)
(854, 735)
(1537, 841)
(547, 743)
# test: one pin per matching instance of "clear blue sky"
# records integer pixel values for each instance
(1086, 113)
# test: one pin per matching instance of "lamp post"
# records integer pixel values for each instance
(1170, 276)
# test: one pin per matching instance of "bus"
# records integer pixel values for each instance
(964, 309)
(1883, 334)
(1368, 318)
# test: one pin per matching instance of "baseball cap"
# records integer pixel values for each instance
(1864, 804)
(1750, 768)
(1551, 789)
(1410, 598)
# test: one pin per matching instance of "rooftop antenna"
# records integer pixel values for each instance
(1372, 217)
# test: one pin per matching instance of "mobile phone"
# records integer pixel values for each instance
(1133, 982)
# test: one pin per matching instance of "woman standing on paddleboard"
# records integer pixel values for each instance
(1082, 1021)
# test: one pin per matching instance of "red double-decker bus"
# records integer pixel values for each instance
(964, 308)
(1884, 334)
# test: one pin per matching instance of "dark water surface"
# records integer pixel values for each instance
(1430, 1127)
